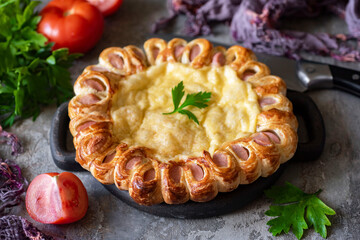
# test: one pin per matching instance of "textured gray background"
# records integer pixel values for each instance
(336, 172)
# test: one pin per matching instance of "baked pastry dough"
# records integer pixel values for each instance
(122, 138)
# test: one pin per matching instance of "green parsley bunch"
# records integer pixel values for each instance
(31, 75)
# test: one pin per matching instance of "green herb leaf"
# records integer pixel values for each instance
(190, 115)
(177, 94)
(298, 211)
(51, 60)
(31, 75)
(198, 100)
(2, 5)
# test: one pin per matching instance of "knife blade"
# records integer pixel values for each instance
(302, 75)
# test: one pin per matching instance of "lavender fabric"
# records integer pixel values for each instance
(254, 23)
(12, 140)
(353, 17)
(12, 185)
(18, 228)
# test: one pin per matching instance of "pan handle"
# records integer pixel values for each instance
(311, 133)
(63, 157)
(311, 130)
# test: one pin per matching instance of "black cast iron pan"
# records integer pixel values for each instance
(311, 143)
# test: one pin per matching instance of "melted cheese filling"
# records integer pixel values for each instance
(141, 99)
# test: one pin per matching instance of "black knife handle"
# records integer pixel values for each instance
(346, 79)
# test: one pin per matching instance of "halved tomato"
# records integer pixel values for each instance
(56, 198)
(107, 7)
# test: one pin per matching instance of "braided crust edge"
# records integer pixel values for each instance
(150, 181)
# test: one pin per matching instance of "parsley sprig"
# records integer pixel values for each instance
(31, 75)
(198, 100)
(297, 210)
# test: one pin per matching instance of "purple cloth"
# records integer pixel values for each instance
(352, 17)
(11, 139)
(254, 23)
(18, 228)
(12, 185)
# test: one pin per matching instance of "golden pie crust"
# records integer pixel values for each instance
(197, 177)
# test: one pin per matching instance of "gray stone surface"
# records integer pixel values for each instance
(336, 172)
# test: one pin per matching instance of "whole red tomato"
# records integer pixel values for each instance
(73, 24)
(107, 7)
(56, 198)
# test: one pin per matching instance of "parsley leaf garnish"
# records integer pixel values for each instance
(31, 74)
(198, 100)
(297, 210)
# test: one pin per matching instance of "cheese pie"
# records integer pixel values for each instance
(122, 136)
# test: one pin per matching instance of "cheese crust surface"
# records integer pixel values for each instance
(138, 105)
